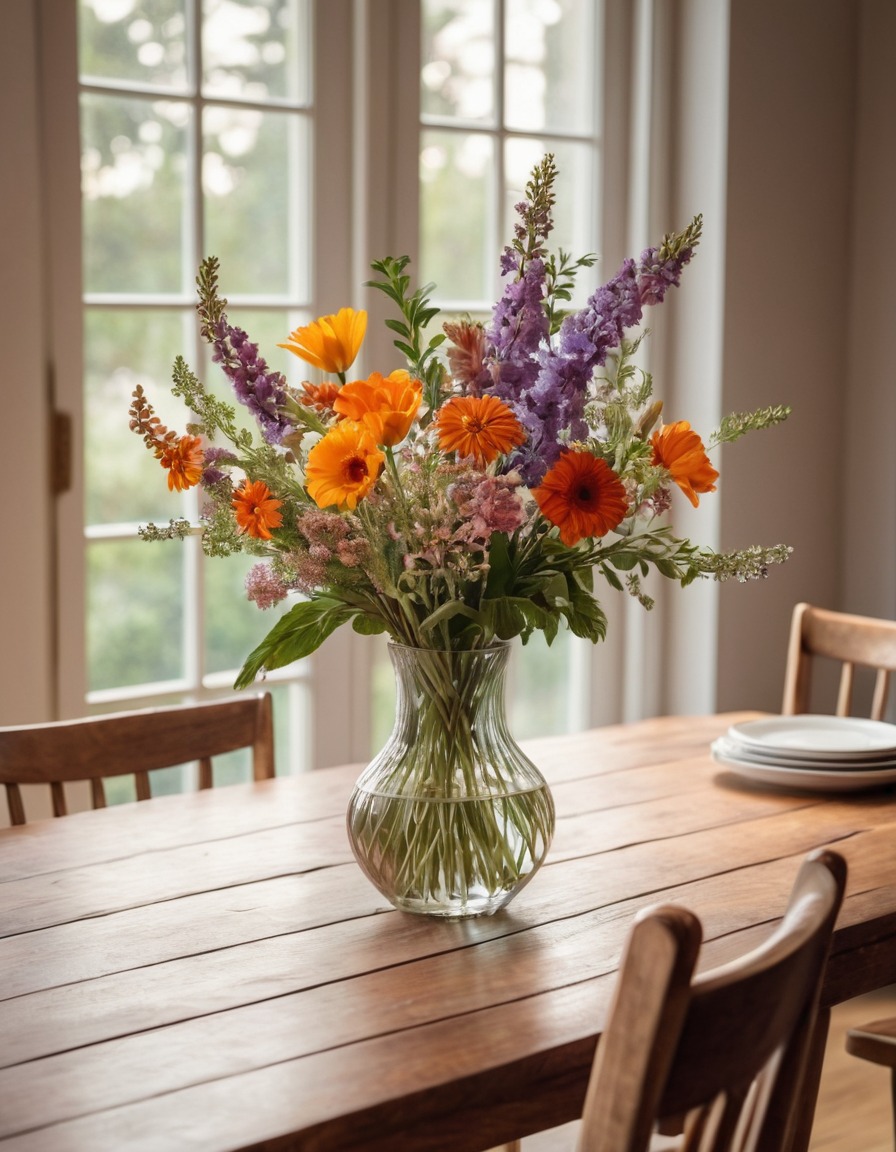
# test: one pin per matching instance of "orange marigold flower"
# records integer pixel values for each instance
(320, 397)
(385, 405)
(330, 342)
(183, 459)
(479, 426)
(583, 496)
(343, 466)
(680, 451)
(257, 510)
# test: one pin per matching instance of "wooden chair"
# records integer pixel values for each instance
(133, 743)
(852, 641)
(720, 1055)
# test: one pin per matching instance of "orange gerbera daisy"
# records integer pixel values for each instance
(257, 510)
(583, 496)
(331, 342)
(680, 451)
(479, 426)
(385, 405)
(343, 466)
(183, 459)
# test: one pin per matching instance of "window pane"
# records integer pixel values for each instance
(538, 705)
(548, 83)
(122, 348)
(256, 49)
(458, 57)
(577, 207)
(256, 203)
(138, 43)
(134, 612)
(133, 168)
(233, 624)
(457, 230)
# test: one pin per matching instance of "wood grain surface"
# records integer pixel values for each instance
(213, 971)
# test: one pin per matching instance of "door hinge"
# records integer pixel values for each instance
(60, 452)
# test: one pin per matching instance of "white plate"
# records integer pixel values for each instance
(818, 737)
(738, 751)
(813, 780)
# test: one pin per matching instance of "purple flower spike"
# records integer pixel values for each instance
(254, 384)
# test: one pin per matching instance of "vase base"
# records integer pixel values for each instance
(470, 909)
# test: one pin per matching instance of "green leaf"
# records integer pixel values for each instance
(368, 625)
(297, 634)
(448, 612)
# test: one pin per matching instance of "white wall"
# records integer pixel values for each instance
(792, 125)
(869, 510)
(25, 510)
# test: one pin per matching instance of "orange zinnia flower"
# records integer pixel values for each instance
(680, 451)
(320, 397)
(330, 342)
(479, 426)
(385, 405)
(343, 466)
(583, 496)
(256, 509)
(183, 459)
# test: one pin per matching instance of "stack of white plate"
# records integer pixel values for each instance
(827, 753)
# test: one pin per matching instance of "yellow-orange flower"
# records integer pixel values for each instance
(330, 342)
(680, 450)
(257, 510)
(343, 466)
(183, 459)
(583, 496)
(385, 405)
(479, 426)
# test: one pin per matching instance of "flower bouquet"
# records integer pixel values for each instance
(468, 496)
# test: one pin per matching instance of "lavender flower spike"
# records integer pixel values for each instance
(255, 385)
(261, 390)
(553, 402)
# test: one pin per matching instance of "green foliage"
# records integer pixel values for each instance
(296, 635)
(560, 280)
(737, 424)
(417, 313)
(213, 415)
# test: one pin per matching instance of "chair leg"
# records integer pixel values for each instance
(803, 1128)
(893, 1100)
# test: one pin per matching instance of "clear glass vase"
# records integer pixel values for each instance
(451, 818)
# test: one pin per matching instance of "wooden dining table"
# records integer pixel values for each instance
(213, 971)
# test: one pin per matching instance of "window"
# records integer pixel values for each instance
(204, 128)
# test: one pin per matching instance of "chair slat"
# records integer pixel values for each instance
(58, 794)
(881, 694)
(205, 773)
(141, 782)
(844, 696)
(97, 793)
(15, 805)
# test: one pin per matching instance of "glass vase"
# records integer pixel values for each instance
(451, 818)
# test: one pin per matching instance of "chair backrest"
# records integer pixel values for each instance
(722, 1053)
(133, 743)
(853, 641)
